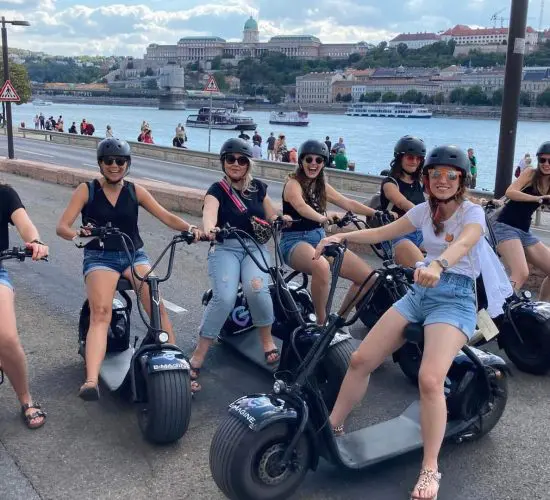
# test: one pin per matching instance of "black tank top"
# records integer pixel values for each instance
(303, 224)
(124, 215)
(518, 213)
(413, 192)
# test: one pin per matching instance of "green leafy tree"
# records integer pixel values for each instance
(152, 84)
(439, 98)
(220, 80)
(338, 97)
(476, 96)
(19, 79)
(389, 97)
(524, 98)
(496, 99)
(543, 98)
(372, 96)
(216, 63)
(402, 49)
(346, 98)
(149, 72)
(412, 96)
(457, 96)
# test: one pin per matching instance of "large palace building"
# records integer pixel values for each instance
(205, 48)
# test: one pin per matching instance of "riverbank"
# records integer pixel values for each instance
(451, 111)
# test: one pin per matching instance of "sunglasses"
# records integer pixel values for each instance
(242, 161)
(542, 161)
(411, 157)
(310, 159)
(450, 173)
(119, 161)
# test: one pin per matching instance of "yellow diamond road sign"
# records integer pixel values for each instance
(8, 93)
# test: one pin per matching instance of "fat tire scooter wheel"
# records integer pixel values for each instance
(533, 356)
(491, 416)
(244, 463)
(165, 416)
(409, 358)
(333, 369)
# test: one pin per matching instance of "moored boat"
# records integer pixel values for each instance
(221, 119)
(293, 118)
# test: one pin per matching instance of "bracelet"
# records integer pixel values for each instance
(191, 227)
(38, 242)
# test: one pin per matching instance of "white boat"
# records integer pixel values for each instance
(221, 118)
(40, 102)
(388, 109)
(294, 118)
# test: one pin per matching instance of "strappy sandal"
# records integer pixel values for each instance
(338, 430)
(89, 391)
(275, 359)
(194, 374)
(425, 479)
(29, 417)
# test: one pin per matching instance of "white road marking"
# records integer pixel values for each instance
(170, 306)
(89, 165)
(33, 153)
(156, 180)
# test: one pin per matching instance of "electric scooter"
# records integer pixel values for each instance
(19, 253)
(294, 329)
(268, 442)
(155, 372)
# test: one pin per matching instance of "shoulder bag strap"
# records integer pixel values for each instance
(233, 196)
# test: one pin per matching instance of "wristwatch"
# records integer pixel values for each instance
(38, 242)
(443, 263)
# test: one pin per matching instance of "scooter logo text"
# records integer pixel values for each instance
(241, 411)
(172, 366)
(240, 316)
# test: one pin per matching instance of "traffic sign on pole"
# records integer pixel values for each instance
(211, 86)
(8, 93)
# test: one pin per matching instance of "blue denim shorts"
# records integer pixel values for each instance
(504, 232)
(291, 239)
(451, 302)
(416, 237)
(5, 278)
(110, 260)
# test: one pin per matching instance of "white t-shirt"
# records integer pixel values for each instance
(467, 213)
(256, 151)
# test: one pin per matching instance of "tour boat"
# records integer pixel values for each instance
(388, 109)
(41, 102)
(221, 118)
(294, 118)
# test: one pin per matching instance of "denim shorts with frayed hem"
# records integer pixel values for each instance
(452, 301)
(110, 260)
(5, 278)
(291, 239)
(416, 237)
(504, 232)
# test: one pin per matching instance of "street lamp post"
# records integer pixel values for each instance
(9, 124)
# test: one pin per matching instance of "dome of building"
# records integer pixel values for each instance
(251, 25)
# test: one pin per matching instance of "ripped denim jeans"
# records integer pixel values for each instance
(229, 264)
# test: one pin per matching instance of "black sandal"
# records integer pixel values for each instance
(27, 418)
(270, 353)
(338, 430)
(89, 392)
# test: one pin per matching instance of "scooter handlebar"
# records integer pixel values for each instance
(19, 253)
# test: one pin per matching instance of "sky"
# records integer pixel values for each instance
(100, 27)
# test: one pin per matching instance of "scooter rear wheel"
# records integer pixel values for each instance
(165, 416)
(245, 463)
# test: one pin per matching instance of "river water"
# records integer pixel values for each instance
(369, 141)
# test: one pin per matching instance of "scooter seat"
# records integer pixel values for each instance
(414, 332)
(123, 285)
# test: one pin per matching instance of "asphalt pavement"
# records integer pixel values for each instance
(95, 450)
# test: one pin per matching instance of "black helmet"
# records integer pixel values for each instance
(236, 145)
(448, 155)
(410, 145)
(544, 149)
(313, 147)
(114, 147)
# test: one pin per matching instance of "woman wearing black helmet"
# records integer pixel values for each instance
(401, 191)
(115, 200)
(305, 197)
(442, 299)
(517, 245)
(234, 200)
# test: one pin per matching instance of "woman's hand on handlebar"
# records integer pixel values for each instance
(394, 215)
(39, 250)
(336, 238)
(428, 276)
(199, 235)
(287, 219)
(85, 230)
(210, 233)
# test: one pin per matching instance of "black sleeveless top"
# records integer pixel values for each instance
(413, 192)
(124, 215)
(303, 223)
(518, 213)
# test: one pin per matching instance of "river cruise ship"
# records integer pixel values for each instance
(388, 109)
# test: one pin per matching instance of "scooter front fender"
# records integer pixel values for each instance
(163, 360)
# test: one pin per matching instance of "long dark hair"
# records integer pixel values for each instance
(396, 168)
(313, 190)
(537, 182)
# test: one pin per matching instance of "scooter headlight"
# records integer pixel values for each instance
(163, 337)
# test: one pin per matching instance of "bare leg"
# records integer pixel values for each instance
(539, 256)
(441, 344)
(14, 362)
(514, 258)
(407, 254)
(146, 300)
(355, 269)
(319, 270)
(100, 287)
(384, 338)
